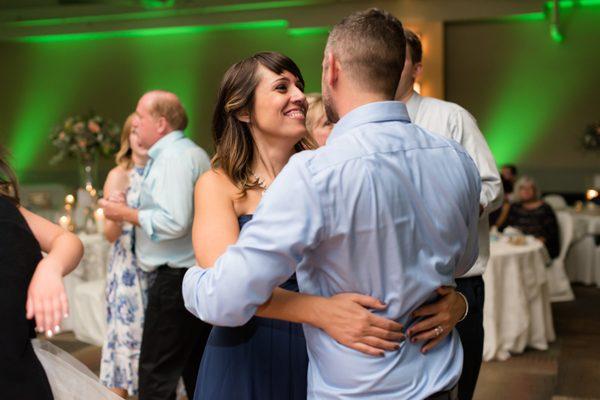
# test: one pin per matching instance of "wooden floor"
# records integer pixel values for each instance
(569, 370)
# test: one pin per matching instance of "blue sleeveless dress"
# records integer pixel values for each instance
(264, 359)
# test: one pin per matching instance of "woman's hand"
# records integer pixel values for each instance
(346, 318)
(46, 297)
(440, 318)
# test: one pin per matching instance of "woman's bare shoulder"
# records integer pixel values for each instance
(216, 181)
(117, 178)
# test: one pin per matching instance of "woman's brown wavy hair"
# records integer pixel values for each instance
(234, 146)
(8, 179)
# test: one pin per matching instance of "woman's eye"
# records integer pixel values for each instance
(281, 88)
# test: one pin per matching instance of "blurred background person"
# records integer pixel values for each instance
(509, 175)
(317, 123)
(532, 216)
(126, 284)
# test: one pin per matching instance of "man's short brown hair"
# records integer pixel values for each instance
(370, 45)
(166, 104)
(415, 48)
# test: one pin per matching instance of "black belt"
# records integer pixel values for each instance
(451, 394)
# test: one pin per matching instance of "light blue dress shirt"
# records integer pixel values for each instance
(167, 203)
(385, 209)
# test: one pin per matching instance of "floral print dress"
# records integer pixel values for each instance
(126, 298)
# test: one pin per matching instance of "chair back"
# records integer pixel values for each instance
(556, 201)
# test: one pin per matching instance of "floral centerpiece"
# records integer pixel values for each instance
(85, 137)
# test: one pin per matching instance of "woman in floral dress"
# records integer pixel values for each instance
(127, 285)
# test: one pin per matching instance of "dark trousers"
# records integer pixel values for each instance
(471, 334)
(172, 342)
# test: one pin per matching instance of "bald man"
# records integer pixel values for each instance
(173, 339)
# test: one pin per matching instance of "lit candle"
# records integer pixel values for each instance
(591, 194)
(99, 217)
(70, 199)
(64, 222)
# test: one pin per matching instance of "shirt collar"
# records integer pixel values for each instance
(163, 143)
(379, 111)
(413, 104)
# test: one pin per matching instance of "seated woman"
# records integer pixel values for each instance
(532, 216)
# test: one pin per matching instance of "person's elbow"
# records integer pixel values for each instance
(170, 229)
(204, 302)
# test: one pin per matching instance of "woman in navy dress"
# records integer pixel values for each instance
(258, 124)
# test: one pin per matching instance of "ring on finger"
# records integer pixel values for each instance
(438, 330)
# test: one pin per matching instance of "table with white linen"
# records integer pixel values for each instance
(517, 311)
(85, 291)
(583, 259)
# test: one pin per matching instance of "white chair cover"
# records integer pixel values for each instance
(89, 306)
(557, 202)
(558, 282)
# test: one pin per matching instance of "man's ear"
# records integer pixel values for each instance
(243, 116)
(163, 126)
(418, 70)
(333, 69)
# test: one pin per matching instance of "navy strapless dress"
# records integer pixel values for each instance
(264, 359)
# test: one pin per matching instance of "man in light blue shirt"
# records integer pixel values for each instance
(385, 209)
(173, 340)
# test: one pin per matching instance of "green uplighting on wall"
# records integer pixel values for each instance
(164, 13)
(53, 79)
(555, 34)
(148, 32)
(308, 31)
(158, 3)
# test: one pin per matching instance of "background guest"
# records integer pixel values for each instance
(453, 121)
(127, 285)
(532, 216)
(509, 174)
(173, 339)
(317, 123)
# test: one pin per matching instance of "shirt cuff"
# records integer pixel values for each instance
(145, 220)
(189, 286)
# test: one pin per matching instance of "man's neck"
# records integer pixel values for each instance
(357, 99)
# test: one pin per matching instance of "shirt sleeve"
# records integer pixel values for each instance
(173, 194)
(465, 131)
(287, 222)
(471, 215)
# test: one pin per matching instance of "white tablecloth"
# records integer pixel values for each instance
(85, 291)
(583, 260)
(517, 311)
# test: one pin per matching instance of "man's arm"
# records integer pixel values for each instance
(173, 195)
(464, 127)
(288, 221)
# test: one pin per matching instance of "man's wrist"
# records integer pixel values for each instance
(466, 306)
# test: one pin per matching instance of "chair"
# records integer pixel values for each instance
(558, 282)
(557, 202)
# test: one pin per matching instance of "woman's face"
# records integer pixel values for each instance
(134, 141)
(279, 106)
(321, 130)
(527, 192)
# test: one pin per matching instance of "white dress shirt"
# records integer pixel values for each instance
(452, 121)
(362, 214)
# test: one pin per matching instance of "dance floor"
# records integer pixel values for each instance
(569, 370)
